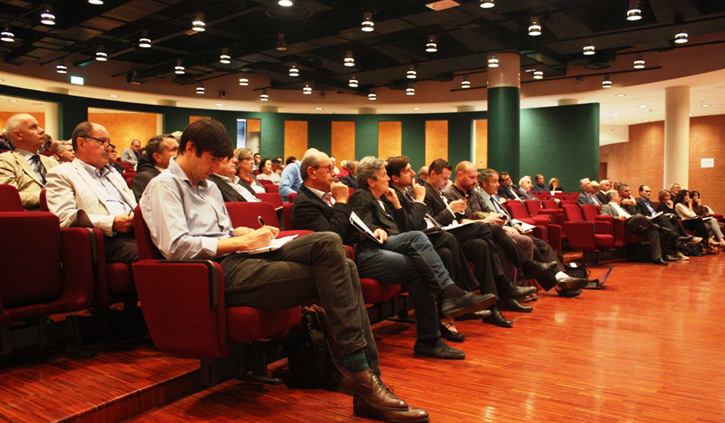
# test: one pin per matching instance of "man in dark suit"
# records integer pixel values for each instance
(507, 189)
(671, 221)
(350, 179)
(540, 185)
(159, 151)
(525, 186)
(587, 195)
(321, 205)
(604, 187)
(227, 180)
(627, 201)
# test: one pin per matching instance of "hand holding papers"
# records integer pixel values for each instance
(276, 244)
(362, 227)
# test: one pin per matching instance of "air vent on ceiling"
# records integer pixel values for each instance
(289, 13)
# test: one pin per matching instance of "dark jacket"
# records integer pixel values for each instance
(437, 207)
(367, 207)
(350, 181)
(145, 172)
(229, 194)
(312, 213)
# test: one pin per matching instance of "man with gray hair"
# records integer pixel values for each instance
(392, 248)
(604, 186)
(23, 167)
(587, 195)
(525, 186)
(132, 155)
(351, 178)
(291, 178)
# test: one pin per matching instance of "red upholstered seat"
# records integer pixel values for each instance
(374, 292)
(10, 199)
(245, 214)
(583, 235)
(127, 167)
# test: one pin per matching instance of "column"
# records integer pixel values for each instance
(677, 136)
(504, 90)
(51, 120)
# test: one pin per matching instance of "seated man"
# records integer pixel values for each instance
(540, 185)
(86, 193)
(291, 179)
(604, 187)
(670, 221)
(132, 155)
(628, 202)
(587, 196)
(351, 178)
(466, 178)
(313, 210)
(23, 167)
(187, 220)
(658, 237)
(525, 187)
(225, 177)
(113, 164)
(507, 190)
(159, 150)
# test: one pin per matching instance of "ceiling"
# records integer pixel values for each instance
(319, 33)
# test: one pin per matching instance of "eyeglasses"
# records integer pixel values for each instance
(329, 168)
(247, 159)
(104, 143)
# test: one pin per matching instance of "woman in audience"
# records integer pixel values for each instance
(246, 167)
(703, 210)
(265, 172)
(684, 207)
(554, 185)
(64, 153)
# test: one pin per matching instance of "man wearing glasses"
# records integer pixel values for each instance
(85, 192)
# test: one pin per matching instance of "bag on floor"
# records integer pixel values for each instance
(693, 250)
(577, 269)
(308, 353)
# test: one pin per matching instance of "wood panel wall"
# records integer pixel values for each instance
(390, 139)
(342, 141)
(126, 127)
(4, 116)
(254, 125)
(480, 129)
(295, 138)
(436, 140)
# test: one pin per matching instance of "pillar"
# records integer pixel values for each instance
(504, 89)
(677, 136)
(52, 120)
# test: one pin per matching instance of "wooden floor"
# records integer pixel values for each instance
(650, 347)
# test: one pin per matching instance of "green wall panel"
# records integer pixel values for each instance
(503, 129)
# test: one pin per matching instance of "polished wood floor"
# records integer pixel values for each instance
(648, 348)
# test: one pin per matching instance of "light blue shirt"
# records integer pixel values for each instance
(185, 221)
(291, 180)
(114, 200)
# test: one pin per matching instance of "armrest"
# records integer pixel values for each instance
(604, 218)
(183, 305)
(602, 227)
(77, 255)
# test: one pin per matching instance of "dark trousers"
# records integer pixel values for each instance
(660, 239)
(455, 260)
(545, 254)
(310, 267)
(120, 248)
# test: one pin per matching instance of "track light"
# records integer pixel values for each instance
(465, 83)
(371, 95)
(535, 26)
(681, 37)
(225, 58)
(411, 73)
(95, 2)
(264, 96)
(198, 24)
(634, 13)
(493, 60)
(307, 90)
(607, 82)
(589, 50)
(353, 83)
(367, 24)
(487, 4)
(144, 41)
(639, 63)
(179, 68)
(538, 74)
(244, 81)
(46, 16)
(294, 72)
(432, 45)
(349, 60)
(61, 67)
(101, 54)
(281, 42)
(285, 3)
(410, 90)
(200, 89)
(7, 34)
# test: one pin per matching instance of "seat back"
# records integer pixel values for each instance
(572, 213)
(272, 198)
(44, 201)
(590, 212)
(550, 204)
(10, 199)
(533, 206)
(291, 197)
(245, 214)
(127, 167)
(517, 209)
(144, 244)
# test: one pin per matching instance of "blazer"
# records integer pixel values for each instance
(70, 188)
(437, 207)
(602, 197)
(507, 193)
(608, 210)
(585, 198)
(229, 194)
(16, 171)
(642, 206)
(415, 212)
(367, 207)
(312, 213)
(141, 179)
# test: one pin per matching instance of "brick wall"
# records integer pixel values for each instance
(641, 160)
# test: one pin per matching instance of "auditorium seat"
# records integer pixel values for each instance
(183, 305)
(10, 199)
(127, 166)
(245, 214)
(46, 270)
(589, 237)
(546, 228)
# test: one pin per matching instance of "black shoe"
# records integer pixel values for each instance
(530, 297)
(496, 318)
(669, 257)
(660, 262)
(533, 268)
(441, 350)
(450, 335)
(513, 305)
(686, 238)
(515, 292)
(473, 316)
(569, 293)
(468, 303)
(572, 283)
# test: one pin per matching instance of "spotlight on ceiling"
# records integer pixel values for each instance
(144, 41)
(46, 16)
(264, 96)
(101, 54)
(224, 57)
(372, 96)
(681, 37)
(538, 74)
(487, 4)
(307, 90)
(493, 60)
(639, 63)
(607, 82)
(61, 67)
(465, 83)
(7, 34)
(432, 45)
(285, 3)
(589, 50)
(95, 2)
(353, 83)
(200, 89)
(410, 90)
(634, 13)
(281, 42)
(367, 24)
(294, 72)
(198, 24)
(244, 81)
(411, 73)
(349, 60)
(535, 26)
(179, 68)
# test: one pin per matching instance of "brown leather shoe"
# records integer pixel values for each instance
(363, 408)
(368, 386)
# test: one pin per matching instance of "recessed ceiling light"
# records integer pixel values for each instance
(607, 121)
(113, 95)
(691, 114)
(642, 106)
(645, 120)
(318, 108)
(218, 104)
(705, 105)
(12, 100)
(416, 108)
(2, 80)
(621, 95)
(615, 114)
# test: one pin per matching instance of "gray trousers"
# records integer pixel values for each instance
(309, 267)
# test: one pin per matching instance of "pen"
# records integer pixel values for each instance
(259, 219)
